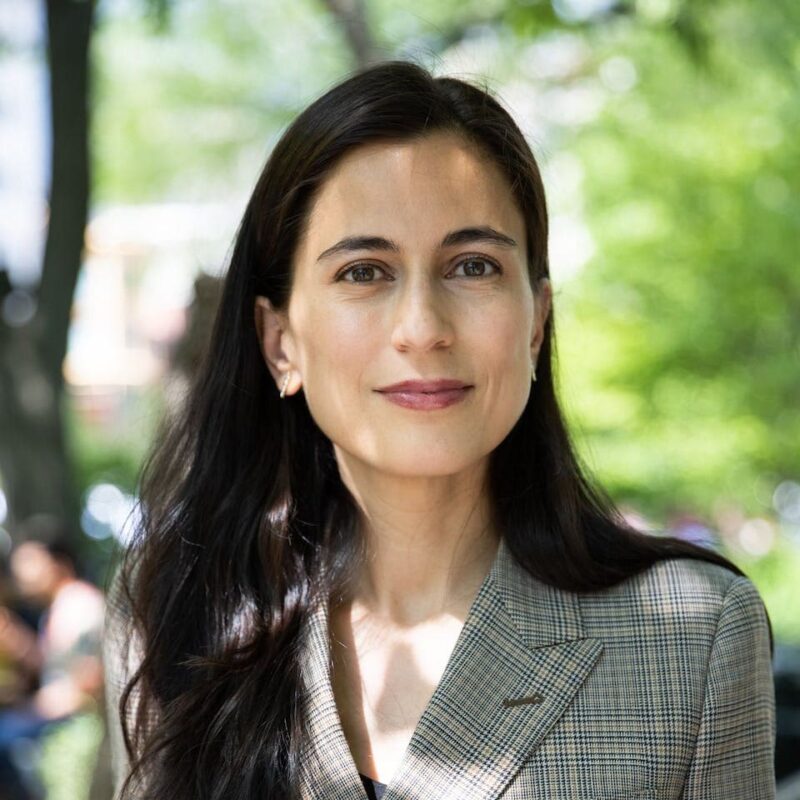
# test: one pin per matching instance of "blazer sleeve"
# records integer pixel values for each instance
(734, 756)
(121, 657)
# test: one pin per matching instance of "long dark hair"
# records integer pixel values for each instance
(245, 522)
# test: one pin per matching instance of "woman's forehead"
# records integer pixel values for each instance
(442, 156)
(420, 188)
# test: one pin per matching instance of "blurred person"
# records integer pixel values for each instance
(19, 653)
(369, 558)
(65, 653)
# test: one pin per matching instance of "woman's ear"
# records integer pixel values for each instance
(542, 299)
(271, 329)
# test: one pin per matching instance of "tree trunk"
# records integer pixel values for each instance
(34, 456)
(351, 16)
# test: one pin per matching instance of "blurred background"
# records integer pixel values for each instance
(131, 134)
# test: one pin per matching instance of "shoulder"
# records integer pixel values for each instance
(121, 578)
(122, 643)
(684, 636)
(675, 597)
(693, 575)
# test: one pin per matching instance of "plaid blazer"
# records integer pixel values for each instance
(659, 688)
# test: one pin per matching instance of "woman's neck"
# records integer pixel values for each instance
(406, 583)
(429, 540)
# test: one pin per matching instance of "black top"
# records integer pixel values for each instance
(374, 789)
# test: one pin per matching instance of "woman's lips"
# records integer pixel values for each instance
(424, 385)
(427, 401)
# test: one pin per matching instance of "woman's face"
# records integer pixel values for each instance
(412, 267)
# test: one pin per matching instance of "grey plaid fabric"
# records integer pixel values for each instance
(121, 656)
(658, 688)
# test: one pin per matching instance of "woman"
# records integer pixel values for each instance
(368, 556)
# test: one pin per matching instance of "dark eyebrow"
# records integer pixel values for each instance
(353, 243)
(482, 233)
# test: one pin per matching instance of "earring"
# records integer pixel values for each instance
(533, 371)
(285, 384)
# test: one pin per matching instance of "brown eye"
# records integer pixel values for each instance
(361, 273)
(476, 267)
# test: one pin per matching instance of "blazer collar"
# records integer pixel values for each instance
(523, 642)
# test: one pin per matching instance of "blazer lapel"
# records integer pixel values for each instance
(328, 771)
(518, 662)
(522, 641)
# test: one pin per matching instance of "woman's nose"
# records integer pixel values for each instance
(422, 315)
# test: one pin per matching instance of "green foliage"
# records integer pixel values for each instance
(115, 456)
(191, 112)
(687, 380)
(777, 576)
(68, 756)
